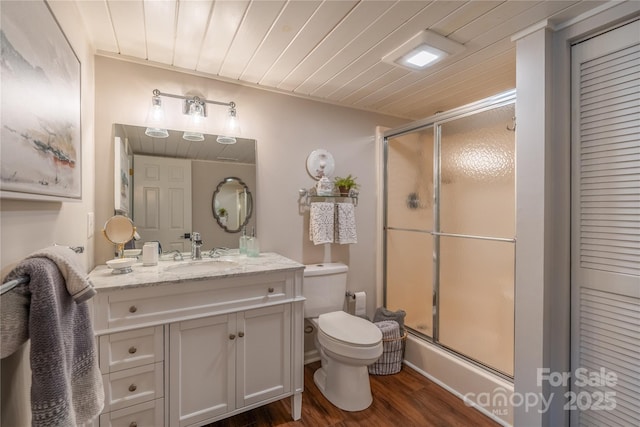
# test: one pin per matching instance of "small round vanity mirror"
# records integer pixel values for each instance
(119, 230)
(232, 204)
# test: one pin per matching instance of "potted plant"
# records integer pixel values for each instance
(344, 185)
(223, 214)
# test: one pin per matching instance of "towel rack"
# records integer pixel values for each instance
(311, 193)
(6, 287)
(76, 249)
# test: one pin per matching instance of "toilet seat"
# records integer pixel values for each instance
(348, 329)
(349, 337)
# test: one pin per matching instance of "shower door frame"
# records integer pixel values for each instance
(435, 122)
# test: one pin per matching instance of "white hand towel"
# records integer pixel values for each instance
(321, 223)
(346, 228)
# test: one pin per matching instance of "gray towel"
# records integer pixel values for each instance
(383, 314)
(66, 387)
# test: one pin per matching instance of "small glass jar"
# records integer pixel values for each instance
(253, 245)
(244, 239)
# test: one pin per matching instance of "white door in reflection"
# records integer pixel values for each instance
(162, 200)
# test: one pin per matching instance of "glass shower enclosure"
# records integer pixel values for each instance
(449, 230)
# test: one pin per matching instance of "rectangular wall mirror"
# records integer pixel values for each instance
(167, 185)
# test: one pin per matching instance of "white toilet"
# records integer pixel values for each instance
(347, 344)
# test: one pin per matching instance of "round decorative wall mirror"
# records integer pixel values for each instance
(119, 230)
(232, 204)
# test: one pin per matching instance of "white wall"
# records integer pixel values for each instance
(286, 128)
(533, 141)
(26, 226)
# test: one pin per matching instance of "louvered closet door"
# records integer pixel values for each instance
(606, 229)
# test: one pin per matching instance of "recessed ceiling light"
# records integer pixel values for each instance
(423, 50)
(422, 57)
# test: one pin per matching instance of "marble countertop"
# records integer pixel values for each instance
(231, 265)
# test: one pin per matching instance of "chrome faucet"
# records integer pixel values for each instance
(196, 246)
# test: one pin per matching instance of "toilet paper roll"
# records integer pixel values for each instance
(361, 303)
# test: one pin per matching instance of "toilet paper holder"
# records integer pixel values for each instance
(350, 302)
(355, 303)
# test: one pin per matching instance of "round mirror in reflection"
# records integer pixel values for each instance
(119, 230)
(232, 204)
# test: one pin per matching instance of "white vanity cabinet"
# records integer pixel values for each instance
(247, 360)
(188, 351)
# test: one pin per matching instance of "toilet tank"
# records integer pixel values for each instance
(324, 287)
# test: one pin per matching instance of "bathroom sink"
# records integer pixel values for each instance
(204, 266)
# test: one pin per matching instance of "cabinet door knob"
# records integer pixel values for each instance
(133, 309)
(232, 337)
(271, 290)
(240, 334)
(133, 424)
(132, 350)
(133, 387)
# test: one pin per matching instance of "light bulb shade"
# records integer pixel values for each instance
(157, 132)
(155, 119)
(195, 110)
(155, 116)
(232, 122)
(221, 139)
(193, 136)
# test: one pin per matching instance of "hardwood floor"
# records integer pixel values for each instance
(406, 399)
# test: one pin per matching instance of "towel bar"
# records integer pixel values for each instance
(6, 287)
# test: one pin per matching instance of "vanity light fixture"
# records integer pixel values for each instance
(196, 108)
(423, 50)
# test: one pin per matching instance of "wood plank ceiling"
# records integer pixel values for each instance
(328, 50)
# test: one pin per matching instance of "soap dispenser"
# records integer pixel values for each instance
(243, 241)
(253, 246)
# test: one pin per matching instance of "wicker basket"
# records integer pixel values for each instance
(392, 355)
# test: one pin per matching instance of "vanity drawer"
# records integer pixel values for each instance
(148, 414)
(166, 303)
(132, 386)
(124, 350)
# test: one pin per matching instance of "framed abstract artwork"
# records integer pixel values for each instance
(40, 152)
(122, 184)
